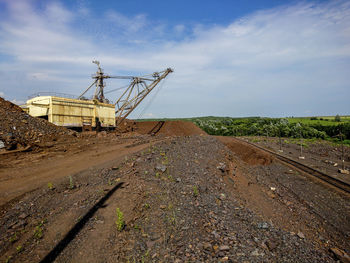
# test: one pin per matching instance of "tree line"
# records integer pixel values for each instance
(272, 127)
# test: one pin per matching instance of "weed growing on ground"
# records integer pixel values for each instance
(171, 178)
(8, 259)
(195, 191)
(304, 144)
(157, 174)
(14, 238)
(38, 231)
(165, 160)
(50, 185)
(19, 248)
(147, 206)
(71, 182)
(134, 260)
(137, 227)
(173, 218)
(120, 220)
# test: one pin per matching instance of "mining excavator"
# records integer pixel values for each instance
(96, 112)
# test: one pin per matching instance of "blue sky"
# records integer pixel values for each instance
(231, 58)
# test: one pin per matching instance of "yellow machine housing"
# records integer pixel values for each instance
(72, 112)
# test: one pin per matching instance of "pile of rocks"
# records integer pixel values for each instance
(18, 129)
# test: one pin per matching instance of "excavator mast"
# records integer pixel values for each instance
(132, 96)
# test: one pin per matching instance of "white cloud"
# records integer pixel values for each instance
(2, 94)
(272, 62)
(132, 24)
(148, 115)
(179, 28)
(18, 102)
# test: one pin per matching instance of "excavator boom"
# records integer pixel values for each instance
(138, 89)
(135, 93)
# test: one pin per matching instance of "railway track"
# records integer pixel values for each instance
(307, 169)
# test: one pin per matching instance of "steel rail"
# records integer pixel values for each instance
(307, 169)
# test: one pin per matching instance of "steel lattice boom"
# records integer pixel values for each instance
(135, 92)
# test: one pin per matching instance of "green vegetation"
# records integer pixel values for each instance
(50, 186)
(137, 227)
(38, 231)
(71, 183)
(19, 248)
(13, 238)
(195, 191)
(337, 118)
(320, 127)
(120, 220)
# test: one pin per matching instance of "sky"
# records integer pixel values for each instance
(230, 58)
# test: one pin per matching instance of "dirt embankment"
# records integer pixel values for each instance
(247, 153)
(169, 128)
(19, 129)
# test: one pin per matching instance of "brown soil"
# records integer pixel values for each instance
(24, 172)
(183, 198)
(169, 128)
(248, 154)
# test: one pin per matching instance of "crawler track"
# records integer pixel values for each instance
(318, 174)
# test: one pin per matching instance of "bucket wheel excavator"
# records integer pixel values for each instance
(133, 94)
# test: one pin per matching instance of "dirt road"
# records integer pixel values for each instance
(47, 166)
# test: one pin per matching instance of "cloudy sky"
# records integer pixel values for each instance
(231, 58)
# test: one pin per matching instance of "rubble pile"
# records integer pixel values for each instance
(18, 129)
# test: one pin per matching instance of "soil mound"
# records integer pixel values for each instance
(125, 126)
(169, 128)
(247, 153)
(17, 128)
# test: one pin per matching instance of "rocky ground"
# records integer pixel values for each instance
(319, 154)
(185, 199)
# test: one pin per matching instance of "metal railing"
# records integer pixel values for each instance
(51, 93)
(63, 95)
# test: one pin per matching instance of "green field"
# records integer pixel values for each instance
(324, 120)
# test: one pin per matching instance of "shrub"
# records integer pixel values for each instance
(120, 220)
(337, 118)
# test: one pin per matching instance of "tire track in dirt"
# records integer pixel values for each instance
(24, 180)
